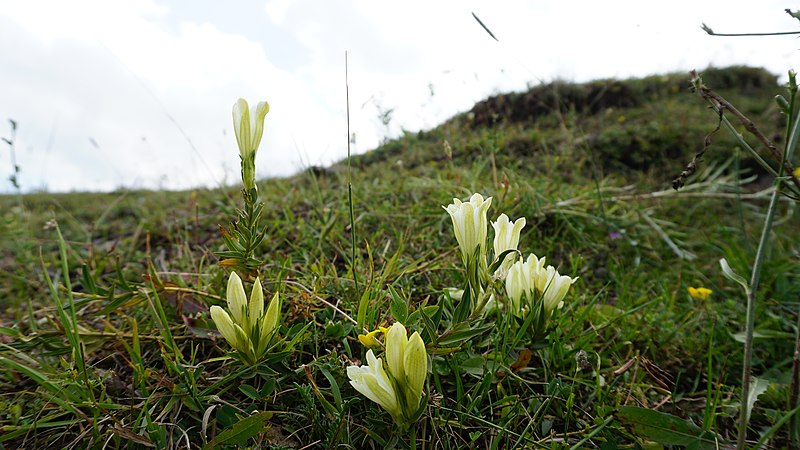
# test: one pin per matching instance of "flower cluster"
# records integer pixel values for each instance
(529, 279)
(249, 327)
(526, 282)
(397, 386)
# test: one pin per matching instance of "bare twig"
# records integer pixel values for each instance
(310, 292)
(678, 183)
(720, 105)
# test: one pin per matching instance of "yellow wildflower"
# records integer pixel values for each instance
(700, 293)
(368, 340)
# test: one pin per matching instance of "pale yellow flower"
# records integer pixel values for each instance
(525, 277)
(521, 281)
(374, 383)
(248, 125)
(506, 237)
(470, 224)
(398, 386)
(556, 288)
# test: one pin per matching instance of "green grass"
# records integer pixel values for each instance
(105, 337)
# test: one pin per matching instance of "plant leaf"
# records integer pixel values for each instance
(733, 276)
(241, 431)
(757, 387)
(666, 429)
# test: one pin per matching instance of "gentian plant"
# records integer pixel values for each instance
(247, 325)
(397, 385)
(245, 235)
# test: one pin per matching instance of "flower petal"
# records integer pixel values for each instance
(506, 237)
(225, 325)
(270, 319)
(237, 300)
(556, 289)
(373, 383)
(257, 115)
(416, 369)
(255, 307)
(396, 342)
(470, 224)
(241, 126)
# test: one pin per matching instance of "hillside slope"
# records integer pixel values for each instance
(624, 125)
(588, 165)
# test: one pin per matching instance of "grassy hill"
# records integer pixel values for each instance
(588, 165)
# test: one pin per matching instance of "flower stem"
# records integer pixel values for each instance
(747, 365)
(795, 388)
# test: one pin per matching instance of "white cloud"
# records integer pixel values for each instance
(135, 75)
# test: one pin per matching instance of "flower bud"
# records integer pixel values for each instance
(248, 125)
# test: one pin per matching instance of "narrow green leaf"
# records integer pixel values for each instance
(464, 307)
(500, 259)
(337, 396)
(398, 306)
(241, 431)
(88, 281)
(461, 333)
(363, 305)
(250, 391)
(733, 276)
(763, 334)
(666, 429)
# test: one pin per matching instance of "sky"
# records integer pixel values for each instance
(132, 94)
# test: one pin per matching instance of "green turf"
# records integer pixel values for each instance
(128, 357)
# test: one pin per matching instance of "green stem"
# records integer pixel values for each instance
(795, 388)
(482, 300)
(792, 138)
(747, 366)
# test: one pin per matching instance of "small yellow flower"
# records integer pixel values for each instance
(700, 293)
(368, 340)
(797, 172)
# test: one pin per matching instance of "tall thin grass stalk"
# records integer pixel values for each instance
(349, 180)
